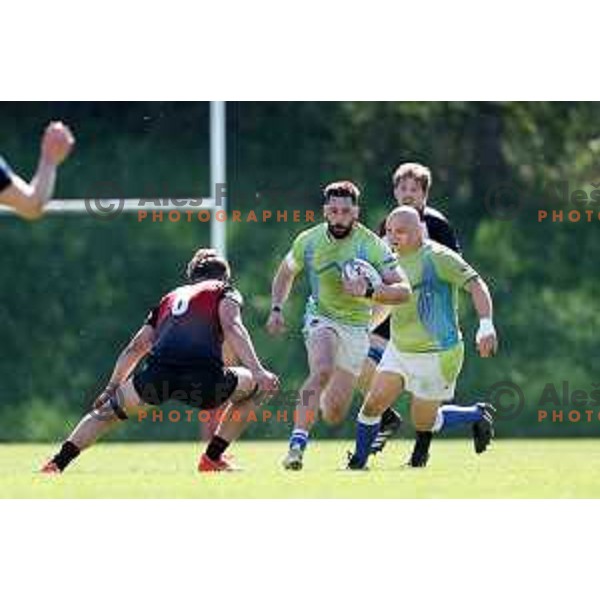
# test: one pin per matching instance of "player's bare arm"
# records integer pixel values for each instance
(486, 338)
(229, 357)
(29, 199)
(394, 289)
(238, 339)
(381, 310)
(280, 290)
(136, 349)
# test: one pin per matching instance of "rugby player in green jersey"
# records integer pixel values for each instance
(338, 311)
(425, 353)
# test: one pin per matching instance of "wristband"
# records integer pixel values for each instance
(486, 327)
(276, 308)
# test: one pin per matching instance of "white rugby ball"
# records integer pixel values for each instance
(357, 267)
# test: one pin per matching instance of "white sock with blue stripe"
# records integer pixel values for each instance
(452, 415)
(299, 439)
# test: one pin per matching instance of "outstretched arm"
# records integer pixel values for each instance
(29, 199)
(236, 335)
(238, 339)
(136, 349)
(139, 345)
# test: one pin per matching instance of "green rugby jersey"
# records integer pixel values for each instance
(428, 322)
(321, 256)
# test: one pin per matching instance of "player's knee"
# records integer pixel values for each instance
(114, 408)
(104, 413)
(323, 373)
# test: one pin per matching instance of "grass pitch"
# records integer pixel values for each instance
(510, 469)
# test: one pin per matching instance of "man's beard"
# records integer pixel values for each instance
(339, 232)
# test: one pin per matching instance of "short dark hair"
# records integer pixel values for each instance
(207, 264)
(341, 189)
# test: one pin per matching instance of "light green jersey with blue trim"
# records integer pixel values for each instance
(322, 256)
(428, 322)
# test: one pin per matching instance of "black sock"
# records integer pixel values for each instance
(420, 453)
(422, 442)
(68, 453)
(388, 416)
(216, 447)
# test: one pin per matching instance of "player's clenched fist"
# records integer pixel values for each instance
(57, 143)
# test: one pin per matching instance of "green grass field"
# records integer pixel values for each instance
(511, 469)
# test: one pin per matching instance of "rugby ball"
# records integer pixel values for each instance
(357, 267)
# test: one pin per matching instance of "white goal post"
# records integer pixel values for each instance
(218, 227)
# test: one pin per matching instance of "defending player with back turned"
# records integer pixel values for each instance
(338, 311)
(183, 339)
(425, 353)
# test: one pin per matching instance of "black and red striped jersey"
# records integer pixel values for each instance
(188, 329)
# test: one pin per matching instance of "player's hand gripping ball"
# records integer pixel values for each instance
(358, 276)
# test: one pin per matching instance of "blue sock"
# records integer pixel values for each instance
(452, 415)
(367, 429)
(299, 439)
